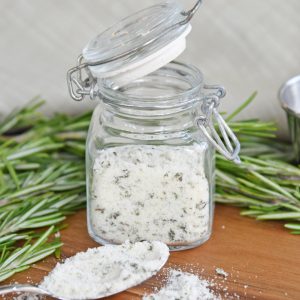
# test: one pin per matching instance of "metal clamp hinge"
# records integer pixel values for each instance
(215, 128)
(190, 13)
(79, 87)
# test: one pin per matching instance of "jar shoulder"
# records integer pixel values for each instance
(111, 129)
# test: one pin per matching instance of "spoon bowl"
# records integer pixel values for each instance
(38, 289)
(25, 288)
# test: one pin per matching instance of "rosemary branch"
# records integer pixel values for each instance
(266, 184)
(42, 180)
(20, 259)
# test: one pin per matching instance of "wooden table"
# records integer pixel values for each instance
(262, 259)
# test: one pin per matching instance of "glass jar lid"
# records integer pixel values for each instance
(139, 44)
(133, 48)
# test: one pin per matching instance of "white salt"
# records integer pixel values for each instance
(184, 286)
(105, 270)
(143, 192)
(27, 296)
(221, 272)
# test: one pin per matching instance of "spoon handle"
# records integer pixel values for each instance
(16, 288)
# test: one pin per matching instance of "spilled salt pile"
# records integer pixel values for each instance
(184, 286)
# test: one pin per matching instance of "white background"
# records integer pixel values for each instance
(245, 45)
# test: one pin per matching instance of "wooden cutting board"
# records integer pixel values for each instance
(262, 259)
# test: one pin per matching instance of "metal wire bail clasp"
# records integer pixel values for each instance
(190, 13)
(214, 127)
(79, 87)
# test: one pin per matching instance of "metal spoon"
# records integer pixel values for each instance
(32, 289)
(289, 96)
(25, 288)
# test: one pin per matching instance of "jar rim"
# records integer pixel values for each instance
(183, 73)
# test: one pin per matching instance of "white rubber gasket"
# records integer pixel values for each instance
(149, 64)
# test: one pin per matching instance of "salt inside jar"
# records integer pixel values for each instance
(150, 147)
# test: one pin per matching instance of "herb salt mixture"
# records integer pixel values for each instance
(105, 270)
(143, 192)
(184, 286)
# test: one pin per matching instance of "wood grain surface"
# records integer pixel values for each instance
(262, 259)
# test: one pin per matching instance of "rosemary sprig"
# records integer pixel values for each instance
(241, 108)
(20, 119)
(265, 183)
(42, 182)
(42, 176)
(21, 258)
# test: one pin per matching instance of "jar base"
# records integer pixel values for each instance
(179, 247)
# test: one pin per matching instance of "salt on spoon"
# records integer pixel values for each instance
(100, 272)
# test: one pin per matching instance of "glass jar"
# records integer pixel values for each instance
(150, 147)
(150, 172)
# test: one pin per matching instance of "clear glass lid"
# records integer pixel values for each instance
(131, 49)
(139, 44)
